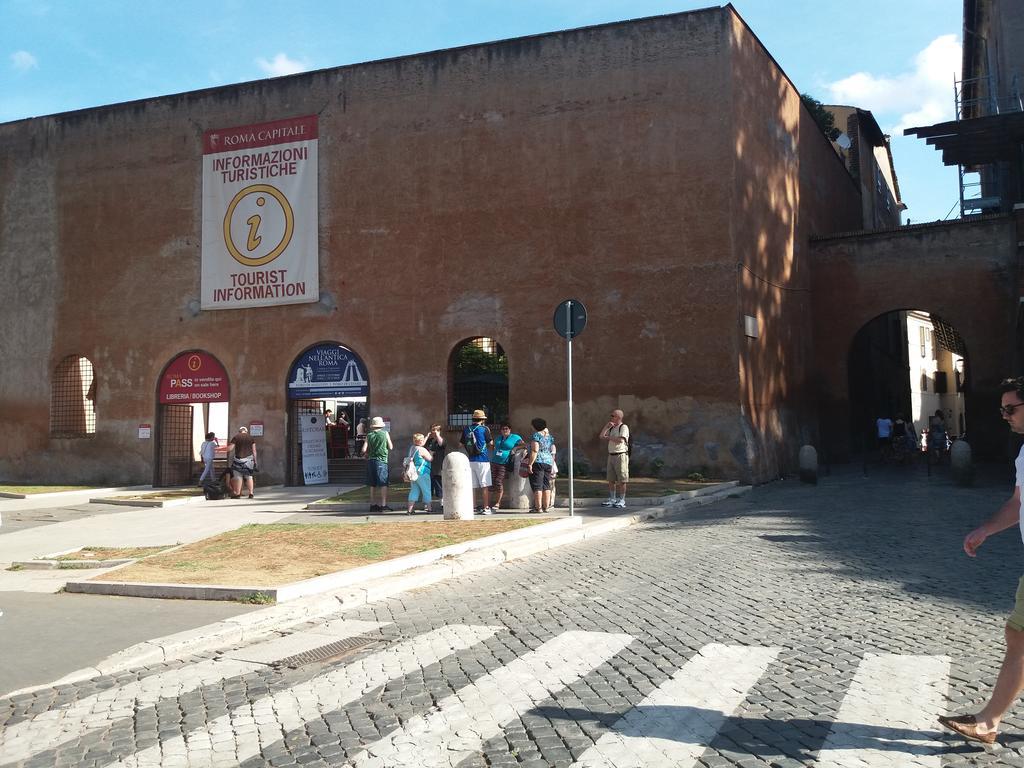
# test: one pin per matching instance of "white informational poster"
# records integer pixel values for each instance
(314, 449)
(260, 231)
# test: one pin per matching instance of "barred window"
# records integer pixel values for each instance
(479, 381)
(73, 399)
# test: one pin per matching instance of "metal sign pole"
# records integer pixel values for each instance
(568, 324)
(570, 318)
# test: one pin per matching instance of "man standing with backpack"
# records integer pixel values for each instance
(617, 435)
(476, 440)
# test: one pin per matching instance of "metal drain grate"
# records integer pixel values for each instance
(326, 654)
(794, 537)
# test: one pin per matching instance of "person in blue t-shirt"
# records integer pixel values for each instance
(477, 440)
(541, 463)
(503, 446)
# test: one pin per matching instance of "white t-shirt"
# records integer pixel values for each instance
(620, 431)
(1018, 464)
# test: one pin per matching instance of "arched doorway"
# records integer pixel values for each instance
(908, 363)
(73, 398)
(478, 372)
(326, 376)
(193, 394)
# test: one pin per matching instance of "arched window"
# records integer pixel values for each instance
(73, 399)
(479, 380)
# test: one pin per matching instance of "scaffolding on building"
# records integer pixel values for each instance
(976, 97)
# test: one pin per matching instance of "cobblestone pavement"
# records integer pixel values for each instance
(794, 626)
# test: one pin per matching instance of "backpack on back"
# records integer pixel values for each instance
(475, 441)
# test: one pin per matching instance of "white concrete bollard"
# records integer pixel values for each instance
(517, 489)
(457, 482)
(808, 465)
(961, 464)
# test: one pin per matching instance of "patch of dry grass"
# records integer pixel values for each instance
(272, 555)
(42, 488)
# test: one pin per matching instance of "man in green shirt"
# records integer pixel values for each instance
(376, 448)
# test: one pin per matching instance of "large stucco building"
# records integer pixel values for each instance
(662, 171)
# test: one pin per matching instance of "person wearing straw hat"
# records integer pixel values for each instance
(476, 439)
(376, 449)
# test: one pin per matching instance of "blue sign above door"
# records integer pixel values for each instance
(327, 370)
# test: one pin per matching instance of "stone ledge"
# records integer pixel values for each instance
(164, 503)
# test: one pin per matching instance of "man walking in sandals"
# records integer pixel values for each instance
(983, 726)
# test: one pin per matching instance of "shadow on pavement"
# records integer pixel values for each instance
(898, 526)
(796, 738)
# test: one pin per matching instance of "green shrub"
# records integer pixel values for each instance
(256, 598)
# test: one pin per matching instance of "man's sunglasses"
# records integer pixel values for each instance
(1007, 410)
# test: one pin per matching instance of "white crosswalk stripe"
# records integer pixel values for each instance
(96, 712)
(674, 724)
(477, 712)
(888, 717)
(247, 729)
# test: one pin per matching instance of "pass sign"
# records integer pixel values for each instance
(570, 318)
(194, 377)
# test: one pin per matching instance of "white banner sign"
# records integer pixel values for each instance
(260, 244)
(314, 449)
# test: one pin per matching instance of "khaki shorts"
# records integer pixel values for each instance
(618, 467)
(1016, 620)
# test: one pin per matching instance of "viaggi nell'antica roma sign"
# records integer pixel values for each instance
(260, 215)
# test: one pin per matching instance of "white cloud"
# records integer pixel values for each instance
(282, 65)
(23, 61)
(921, 96)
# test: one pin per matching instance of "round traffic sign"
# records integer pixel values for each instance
(570, 318)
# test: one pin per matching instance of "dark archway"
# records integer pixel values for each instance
(959, 270)
(907, 363)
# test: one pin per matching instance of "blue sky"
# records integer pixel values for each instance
(898, 59)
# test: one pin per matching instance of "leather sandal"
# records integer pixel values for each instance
(966, 727)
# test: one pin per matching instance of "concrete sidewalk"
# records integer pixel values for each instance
(100, 525)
